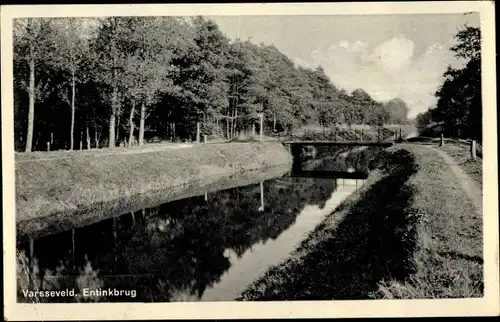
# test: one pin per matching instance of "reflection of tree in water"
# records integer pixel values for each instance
(63, 276)
(182, 245)
(229, 219)
(341, 158)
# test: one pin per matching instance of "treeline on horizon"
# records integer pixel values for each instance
(104, 82)
(458, 112)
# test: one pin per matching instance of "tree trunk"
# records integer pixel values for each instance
(173, 130)
(31, 111)
(88, 137)
(235, 121)
(274, 120)
(72, 139)
(141, 124)
(131, 125)
(112, 118)
(118, 117)
(96, 137)
(198, 132)
(227, 126)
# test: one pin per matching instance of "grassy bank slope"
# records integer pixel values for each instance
(64, 184)
(448, 262)
(409, 232)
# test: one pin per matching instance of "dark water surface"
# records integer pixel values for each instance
(202, 248)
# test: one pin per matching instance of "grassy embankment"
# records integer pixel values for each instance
(62, 182)
(410, 232)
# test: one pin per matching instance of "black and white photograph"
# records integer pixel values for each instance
(209, 154)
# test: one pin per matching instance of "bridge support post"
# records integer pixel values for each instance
(473, 149)
(296, 163)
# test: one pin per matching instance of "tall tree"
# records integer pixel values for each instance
(148, 62)
(398, 110)
(109, 52)
(71, 52)
(459, 104)
(32, 47)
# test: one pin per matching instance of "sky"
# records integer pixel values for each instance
(388, 56)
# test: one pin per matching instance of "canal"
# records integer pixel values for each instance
(207, 247)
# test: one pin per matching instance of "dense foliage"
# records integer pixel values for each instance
(92, 82)
(458, 112)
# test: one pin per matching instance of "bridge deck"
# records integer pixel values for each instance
(350, 143)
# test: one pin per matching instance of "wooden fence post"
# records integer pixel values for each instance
(473, 149)
(197, 132)
(441, 141)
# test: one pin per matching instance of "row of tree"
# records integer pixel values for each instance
(458, 112)
(94, 81)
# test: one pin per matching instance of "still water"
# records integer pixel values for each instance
(208, 247)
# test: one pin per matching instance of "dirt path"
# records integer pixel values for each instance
(468, 184)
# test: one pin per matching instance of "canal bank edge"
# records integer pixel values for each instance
(59, 185)
(398, 237)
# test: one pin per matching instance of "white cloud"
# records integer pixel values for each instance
(344, 44)
(393, 55)
(358, 46)
(387, 70)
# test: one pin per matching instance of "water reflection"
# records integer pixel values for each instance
(206, 247)
(340, 158)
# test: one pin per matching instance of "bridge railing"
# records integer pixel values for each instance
(341, 134)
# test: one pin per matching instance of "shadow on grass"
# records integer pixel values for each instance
(375, 241)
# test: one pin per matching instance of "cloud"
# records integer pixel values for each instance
(344, 44)
(386, 70)
(392, 55)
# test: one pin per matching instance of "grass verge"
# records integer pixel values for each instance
(79, 180)
(461, 154)
(409, 232)
(448, 262)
